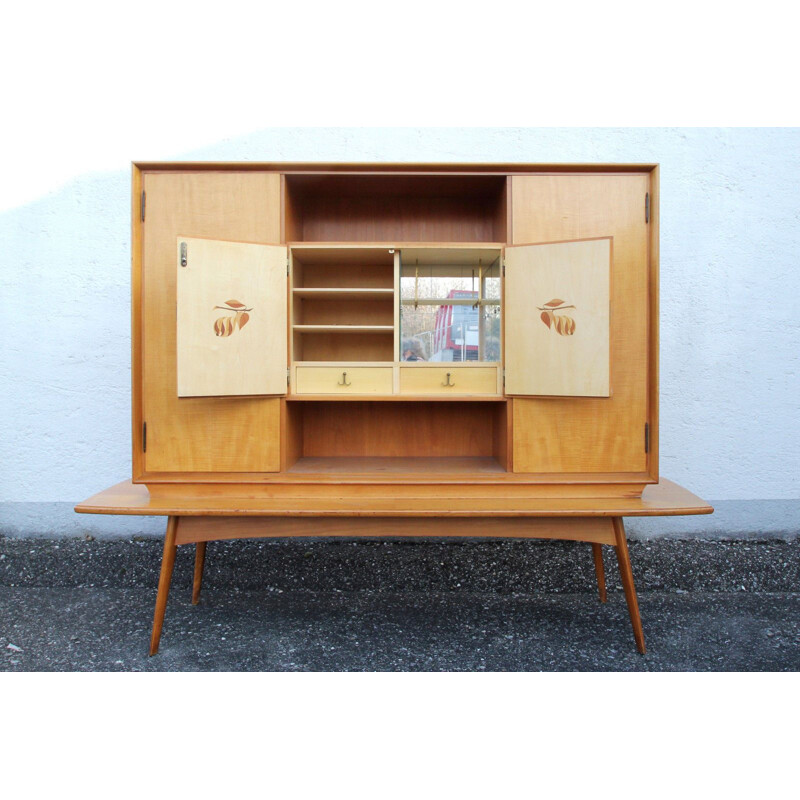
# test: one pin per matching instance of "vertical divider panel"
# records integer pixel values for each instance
(295, 279)
(396, 356)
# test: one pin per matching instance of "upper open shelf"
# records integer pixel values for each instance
(340, 294)
(400, 208)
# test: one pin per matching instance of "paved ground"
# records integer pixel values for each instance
(399, 605)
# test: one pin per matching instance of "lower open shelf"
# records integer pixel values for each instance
(397, 438)
(397, 466)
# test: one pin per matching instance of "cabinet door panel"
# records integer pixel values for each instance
(200, 434)
(591, 434)
(557, 318)
(232, 314)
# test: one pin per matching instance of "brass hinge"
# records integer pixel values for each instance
(144, 437)
(142, 205)
(647, 207)
(647, 437)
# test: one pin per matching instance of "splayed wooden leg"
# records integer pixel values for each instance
(199, 563)
(167, 563)
(600, 570)
(626, 573)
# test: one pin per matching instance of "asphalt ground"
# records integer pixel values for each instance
(394, 604)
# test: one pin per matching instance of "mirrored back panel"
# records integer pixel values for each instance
(450, 305)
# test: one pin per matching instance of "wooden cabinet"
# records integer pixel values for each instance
(511, 307)
(395, 349)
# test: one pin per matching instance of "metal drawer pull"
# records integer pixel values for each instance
(343, 381)
(448, 380)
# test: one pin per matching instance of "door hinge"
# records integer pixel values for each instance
(184, 254)
(647, 207)
(287, 266)
(647, 437)
(142, 203)
(144, 437)
(288, 374)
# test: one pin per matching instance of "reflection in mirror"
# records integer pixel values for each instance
(450, 333)
(450, 311)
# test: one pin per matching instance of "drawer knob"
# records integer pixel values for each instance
(448, 382)
(343, 381)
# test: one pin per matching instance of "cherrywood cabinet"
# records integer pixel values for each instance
(533, 287)
(322, 340)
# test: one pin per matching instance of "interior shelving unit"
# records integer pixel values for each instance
(344, 312)
(342, 304)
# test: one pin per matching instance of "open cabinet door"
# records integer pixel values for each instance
(231, 318)
(557, 318)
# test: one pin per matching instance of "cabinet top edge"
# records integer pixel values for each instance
(395, 167)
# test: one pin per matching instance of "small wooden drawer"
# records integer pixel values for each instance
(343, 380)
(448, 380)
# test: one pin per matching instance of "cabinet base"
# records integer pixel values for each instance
(200, 530)
(204, 512)
(387, 491)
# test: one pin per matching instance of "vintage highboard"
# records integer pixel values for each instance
(395, 350)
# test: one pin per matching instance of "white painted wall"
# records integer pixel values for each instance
(730, 289)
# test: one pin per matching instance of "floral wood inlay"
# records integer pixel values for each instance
(225, 326)
(561, 323)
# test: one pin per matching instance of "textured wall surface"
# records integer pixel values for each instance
(730, 287)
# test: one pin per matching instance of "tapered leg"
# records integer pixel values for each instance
(167, 563)
(600, 570)
(199, 563)
(626, 573)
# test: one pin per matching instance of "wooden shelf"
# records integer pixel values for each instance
(342, 294)
(662, 499)
(402, 398)
(396, 466)
(382, 207)
(343, 328)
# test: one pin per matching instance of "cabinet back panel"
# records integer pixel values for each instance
(358, 208)
(343, 347)
(200, 434)
(397, 429)
(559, 434)
(345, 276)
(410, 219)
(346, 311)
